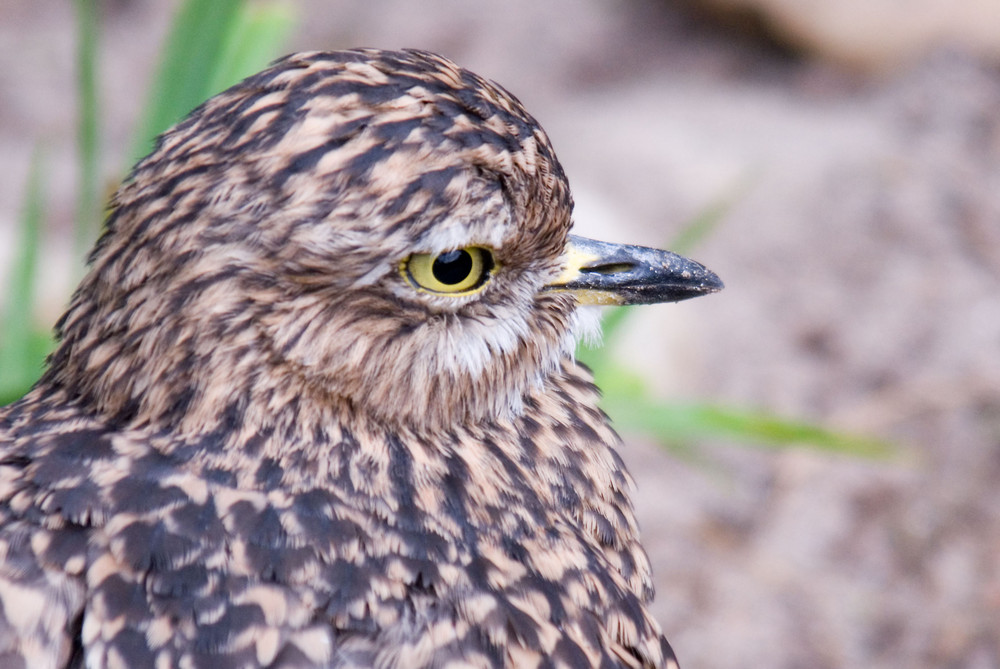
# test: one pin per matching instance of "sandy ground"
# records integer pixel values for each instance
(862, 262)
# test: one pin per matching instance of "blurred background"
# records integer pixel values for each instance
(817, 452)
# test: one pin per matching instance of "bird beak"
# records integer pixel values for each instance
(603, 273)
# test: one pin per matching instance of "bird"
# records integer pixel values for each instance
(315, 401)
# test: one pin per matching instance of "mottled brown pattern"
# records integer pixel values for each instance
(258, 445)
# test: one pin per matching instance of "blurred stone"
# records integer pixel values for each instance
(871, 34)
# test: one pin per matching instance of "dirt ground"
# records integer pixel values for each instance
(862, 261)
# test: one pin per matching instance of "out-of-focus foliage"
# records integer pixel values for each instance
(212, 44)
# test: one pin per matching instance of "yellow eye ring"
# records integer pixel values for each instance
(459, 272)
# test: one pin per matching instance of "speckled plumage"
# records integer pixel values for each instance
(258, 445)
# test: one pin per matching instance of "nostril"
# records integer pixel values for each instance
(610, 268)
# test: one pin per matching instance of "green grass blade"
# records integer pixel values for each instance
(22, 347)
(672, 424)
(255, 38)
(190, 57)
(88, 198)
(212, 44)
(708, 219)
(633, 407)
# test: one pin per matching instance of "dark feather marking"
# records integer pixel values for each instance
(566, 495)
(122, 597)
(132, 646)
(135, 495)
(151, 546)
(214, 637)
(176, 587)
(432, 182)
(169, 185)
(571, 653)
(400, 472)
(292, 657)
(76, 654)
(307, 160)
(269, 473)
(471, 98)
(69, 543)
(253, 445)
(347, 582)
(82, 504)
(16, 461)
(359, 166)
(514, 548)
(396, 132)
(374, 95)
(200, 520)
(289, 114)
(181, 402)
(236, 133)
(265, 526)
(454, 485)
(522, 627)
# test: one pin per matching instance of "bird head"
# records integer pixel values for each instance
(372, 231)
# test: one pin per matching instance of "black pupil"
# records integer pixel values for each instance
(452, 267)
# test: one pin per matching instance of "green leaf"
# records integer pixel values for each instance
(212, 44)
(255, 38)
(22, 346)
(88, 198)
(675, 424)
(190, 58)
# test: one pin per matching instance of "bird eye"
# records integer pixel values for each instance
(458, 272)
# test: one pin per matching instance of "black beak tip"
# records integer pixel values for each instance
(710, 283)
(691, 279)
